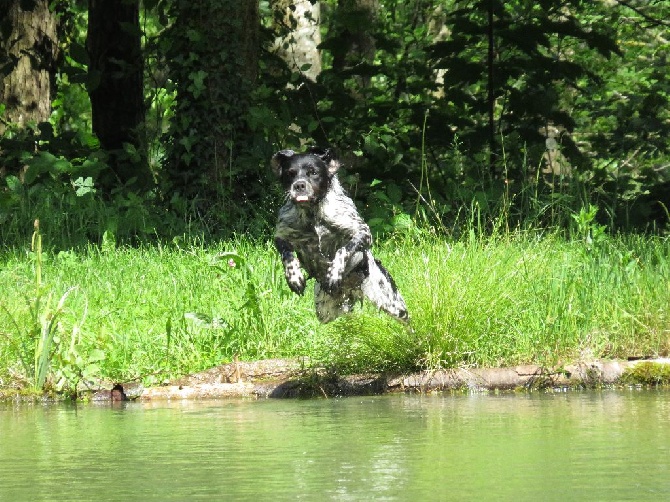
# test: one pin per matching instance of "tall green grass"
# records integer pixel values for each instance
(519, 299)
(155, 312)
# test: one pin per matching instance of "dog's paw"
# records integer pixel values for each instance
(335, 273)
(294, 277)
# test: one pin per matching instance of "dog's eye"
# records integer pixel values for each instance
(311, 171)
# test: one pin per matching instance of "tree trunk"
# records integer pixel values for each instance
(214, 51)
(301, 19)
(355, 20)
(115, 86)
(27, 62)
(490, 61)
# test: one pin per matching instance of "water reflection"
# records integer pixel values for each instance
(610, 445)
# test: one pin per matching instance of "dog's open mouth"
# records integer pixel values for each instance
(301, 192)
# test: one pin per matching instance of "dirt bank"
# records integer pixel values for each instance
(280, 378)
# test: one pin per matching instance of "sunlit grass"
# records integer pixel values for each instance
(161, 311)
(517, 299)
(522, 299)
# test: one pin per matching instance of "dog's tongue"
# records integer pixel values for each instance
(302, 198)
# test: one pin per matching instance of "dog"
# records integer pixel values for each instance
(319, 230)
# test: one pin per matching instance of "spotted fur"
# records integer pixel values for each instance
(320, 230)
(292, 271)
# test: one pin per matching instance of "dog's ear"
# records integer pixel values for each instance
(328, 156)
(278, 160)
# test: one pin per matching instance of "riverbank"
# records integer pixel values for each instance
(282, 379)
(156, 313)
(293, 378)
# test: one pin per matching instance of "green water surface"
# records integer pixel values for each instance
(608, 445)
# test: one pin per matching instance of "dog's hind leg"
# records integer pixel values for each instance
(381, 290)
(329, 307)
(343, 259)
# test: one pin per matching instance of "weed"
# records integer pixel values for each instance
(587, 228)
(647, 373)
(34, 343)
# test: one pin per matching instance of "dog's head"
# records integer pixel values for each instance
(305, 176)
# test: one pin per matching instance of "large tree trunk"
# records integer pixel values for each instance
(301, 19)
(27, 62)
(214, 51)
(115, 86)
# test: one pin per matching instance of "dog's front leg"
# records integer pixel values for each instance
(335, 274)
(292, 272)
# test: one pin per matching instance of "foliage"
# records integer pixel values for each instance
(38, 343)
(570, 110)
(60, 189)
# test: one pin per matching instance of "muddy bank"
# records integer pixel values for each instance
(280, 378)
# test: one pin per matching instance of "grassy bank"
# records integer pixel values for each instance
(158, 312)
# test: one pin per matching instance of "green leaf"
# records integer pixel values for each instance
(83, 186)
(39, 164)
(402, 221)
(91, 370)
(79, 54)
(61, 166)
(14, 183)
(394, 192)
(96, 355)
(230, 258)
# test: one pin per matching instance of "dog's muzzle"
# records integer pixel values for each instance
(301, 191)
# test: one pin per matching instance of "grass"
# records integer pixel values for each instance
(155, 312)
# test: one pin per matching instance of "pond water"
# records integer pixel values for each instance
(607, 445)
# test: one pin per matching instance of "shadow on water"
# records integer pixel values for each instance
(595, 445)
(330, 385)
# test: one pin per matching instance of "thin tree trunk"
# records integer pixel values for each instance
(491, 91)
(214, 52)
(354, 29)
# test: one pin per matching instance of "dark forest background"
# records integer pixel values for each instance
(149, 120)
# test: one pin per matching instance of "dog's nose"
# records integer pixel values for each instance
(299, 186)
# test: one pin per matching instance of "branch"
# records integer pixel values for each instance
(654, 21)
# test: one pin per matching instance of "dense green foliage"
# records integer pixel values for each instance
(538, 107)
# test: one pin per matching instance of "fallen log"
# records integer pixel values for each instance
(294, 378)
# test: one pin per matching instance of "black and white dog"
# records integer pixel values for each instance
(320, 224)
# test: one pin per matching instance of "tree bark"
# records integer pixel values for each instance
(490, 60)
(115, 85)
(27, 62)
(214, 51)
(356, 18)
(299, 47)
